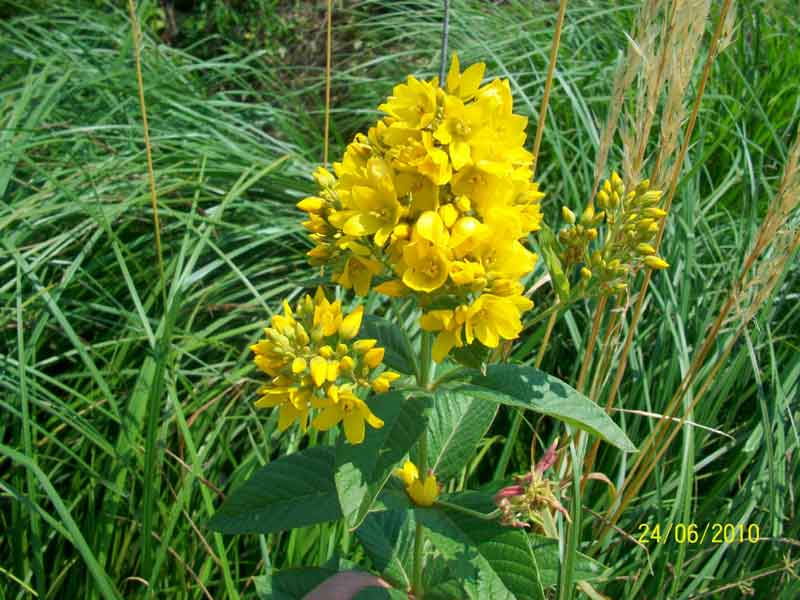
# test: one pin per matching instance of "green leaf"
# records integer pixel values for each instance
(474, 355)
(293, 491)
(500, 559)
(388, 538)
(456, 426)
(507, 562)
(362, 470)
(398, 352)
(528, 387)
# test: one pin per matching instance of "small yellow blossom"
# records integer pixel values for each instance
(352, 411)
(413, 103)
(492, 318)
(422, 492)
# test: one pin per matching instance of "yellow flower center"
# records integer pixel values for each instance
(432, 269)
(462, 129)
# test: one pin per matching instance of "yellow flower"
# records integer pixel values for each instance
(371, 209)
(358, 273)
(500, 258)
(448, 323)
(293, 406)
(350, 325)
(327, 316)
(468, 273)
(422, 493)
(422, 193)
(352, 411)
(480, 187)
(491, 318)
(434, 165)
(413, 104)
(460, 127)
(464, 85)
(426, 266)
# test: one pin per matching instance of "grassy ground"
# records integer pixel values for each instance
(127, 392)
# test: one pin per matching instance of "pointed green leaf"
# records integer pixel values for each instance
(528, 387)
(388, 538)
(362, 470)
(457, 424)
(398, 352)
(293, 491)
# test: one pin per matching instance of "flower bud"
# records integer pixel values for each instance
(654, 212)
(463, 204)
(312, 204)
(568, 215)
(374, 357)
(656, 262)
(616, 181)
(587, 216)
(645, 249)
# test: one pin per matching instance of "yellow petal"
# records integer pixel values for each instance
(351, 324)
(460, 154)
(333, 370)
(354, 427)
(393, 288)
(319, 370)
(298, 365)
(453, 75)
(408, 473)
(328, 418)
(471, 80)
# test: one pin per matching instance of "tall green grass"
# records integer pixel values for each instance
(92, 353)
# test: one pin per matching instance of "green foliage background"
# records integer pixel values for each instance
(126, 417)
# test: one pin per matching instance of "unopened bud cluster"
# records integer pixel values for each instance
(629, 220)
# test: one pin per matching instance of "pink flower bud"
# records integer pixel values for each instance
(508, 492)
(548, 460)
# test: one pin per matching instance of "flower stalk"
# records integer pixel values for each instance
(426, 370)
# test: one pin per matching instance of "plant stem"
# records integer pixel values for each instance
(426, 371)
(445, 32)
(468, 511)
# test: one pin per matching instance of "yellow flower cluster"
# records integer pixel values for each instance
(313, 365)
(632, 220)
(435, 201)
(422, 493)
